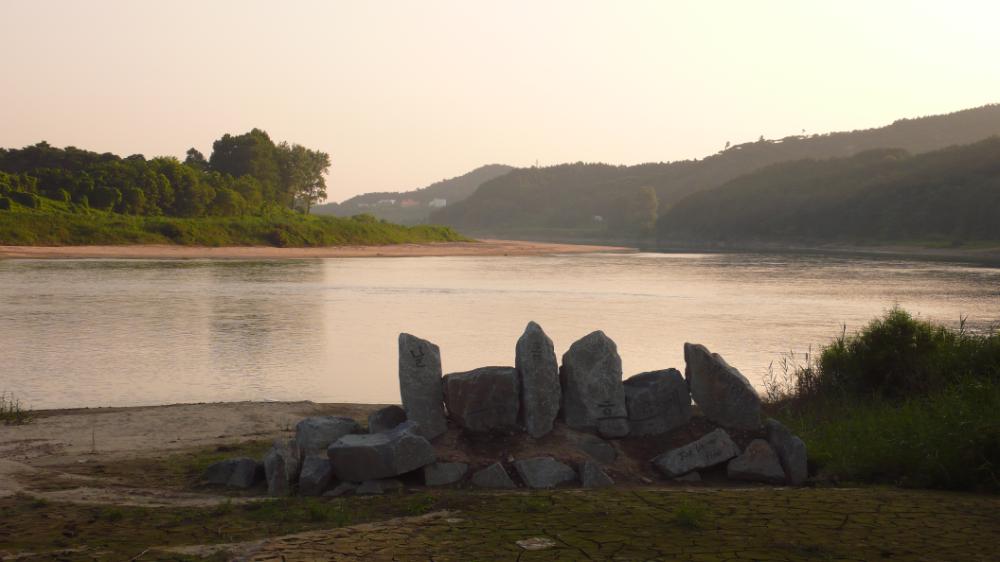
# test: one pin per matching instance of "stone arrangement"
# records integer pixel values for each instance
(334, 455)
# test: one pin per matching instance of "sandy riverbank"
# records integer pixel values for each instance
(480, 248)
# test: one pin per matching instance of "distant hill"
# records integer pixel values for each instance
(413, 207)
(601, 200)
(885, 195)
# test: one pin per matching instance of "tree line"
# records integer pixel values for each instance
(245, 174)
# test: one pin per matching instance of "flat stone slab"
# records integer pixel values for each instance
(791, 452)
(544, 472)
(593, 395)
(593, 476)
(712, 449)
(484, 399)
(657, 402)
(357, 458)
(378, 487)
(538, 372)
(444, 473)
(420, 386)
(316, 476)
(493, 476)
(386, 419)
(313, 435)
(722, 393)
(758, 463)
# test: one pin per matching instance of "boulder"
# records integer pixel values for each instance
(420, 384)
(444, 473)
(316, 476)
(341, 489)
(538, 371)
(385, 419)
(484, 399)
(378, 487)
(712, 449)
(281, 468)
(689, 478)
(593, 395)
(791, 451)
(594, 447)
(493, 476)
(544, 472)
(724, 395)
(357, 458)
(314, 435)
(592, 476)
(758, 463)
(657, 402)
(234, 473)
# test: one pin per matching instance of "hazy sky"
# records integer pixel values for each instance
(405, 93)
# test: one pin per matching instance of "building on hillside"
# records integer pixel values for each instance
(388, 202)
(409, 203)
(437, 203)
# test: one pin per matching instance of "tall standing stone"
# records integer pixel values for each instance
(593, 395)
(535, 361)
(657, 401)
(724, 395)
(791, 451)
(420, 384)
(483, 399)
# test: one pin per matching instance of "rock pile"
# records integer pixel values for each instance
(333, 455)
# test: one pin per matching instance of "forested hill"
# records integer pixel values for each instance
(414, 207)
(597, 199)
(949, 196)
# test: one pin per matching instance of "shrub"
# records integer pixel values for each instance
(5, 203)
(12, 412)
(29, 200)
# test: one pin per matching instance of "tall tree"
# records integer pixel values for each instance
(302, 174)
(253, 154)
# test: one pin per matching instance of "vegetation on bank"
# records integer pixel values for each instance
(12, 411)
(56, 223)
(902, 401)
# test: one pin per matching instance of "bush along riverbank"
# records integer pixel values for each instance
(902, 401)
(40, 221)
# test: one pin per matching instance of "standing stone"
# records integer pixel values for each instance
(657, 402)
(791, 451)
(544, 472)
(357, 458)
(281, 468)
(420, 384)
(712, 449)
(493, 476)
(758, 463)
(593, 395)
(444, 473)
(385, 419)
(314, 435)
(591, 476)
(538, 371)
(316, 476)
(724, 395)
(483, 399)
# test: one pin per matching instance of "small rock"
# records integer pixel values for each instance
(689, 478)
(791, 451)
(724, 395)
(315, 477)
(595, 447)
(536, 543)
(281, 468)
(538, 371)
(357, 458)
(544, 472)
(591, 476)
(341, 489)
(657, 402)
(444, 473)
(712, 449)
(593, 395)
(493, 476)
(483, 399)
(234, 473)
(314, 435)
(386, 419)
(758, 463)
(420, 384)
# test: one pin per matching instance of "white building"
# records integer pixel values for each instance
(437, 203)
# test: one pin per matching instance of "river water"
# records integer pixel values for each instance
(140, 332)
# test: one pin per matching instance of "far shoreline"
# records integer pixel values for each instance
(485, 247)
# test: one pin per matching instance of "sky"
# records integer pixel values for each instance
(402, 94)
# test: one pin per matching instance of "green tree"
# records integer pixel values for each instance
(302, 174)
(253, 154)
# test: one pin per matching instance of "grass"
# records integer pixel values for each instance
(902, 401)
(59, 223)
(12, 411)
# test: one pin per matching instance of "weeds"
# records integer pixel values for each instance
(690, 515)
(12, 411)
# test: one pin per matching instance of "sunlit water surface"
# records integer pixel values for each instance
(128, 332)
